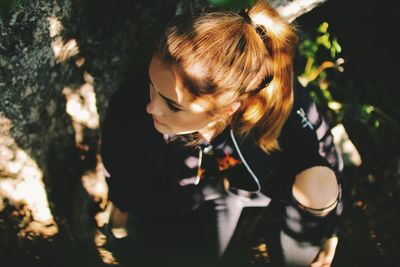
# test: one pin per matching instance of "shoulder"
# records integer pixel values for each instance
(299, 135)
(304, 114)
(316, 183)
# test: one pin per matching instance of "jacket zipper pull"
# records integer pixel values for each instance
(198, 176)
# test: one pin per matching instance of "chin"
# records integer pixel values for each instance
(161, 129)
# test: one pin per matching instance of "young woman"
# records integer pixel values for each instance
(224, 130)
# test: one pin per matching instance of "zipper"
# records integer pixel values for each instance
(198, 176)
(252, 174)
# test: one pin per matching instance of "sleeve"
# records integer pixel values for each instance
(117, 152)
(306, 141)
(129, 147)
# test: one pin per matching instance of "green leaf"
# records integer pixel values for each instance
(324, 40)
(323, 28)
(335, 48)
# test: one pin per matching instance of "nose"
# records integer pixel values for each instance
(154, 106)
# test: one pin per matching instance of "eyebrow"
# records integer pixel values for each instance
(166, 98)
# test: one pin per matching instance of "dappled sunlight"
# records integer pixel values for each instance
(82, 109)
(103, 216)
(55, 26)
(272, 25)
(81, 104)
(80, 61)
(252, 114)
(334, 105)
(350, 154)
(21, 184)
(62, 49)
(106, 256)
(261, 253)
(296, 8)
(196, 108)
(95, 185)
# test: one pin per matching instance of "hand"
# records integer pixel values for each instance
(326, 254)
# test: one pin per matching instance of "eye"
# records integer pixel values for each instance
(172, 107)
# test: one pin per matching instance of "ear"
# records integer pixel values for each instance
(233, 108)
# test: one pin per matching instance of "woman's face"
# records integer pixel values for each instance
(171, 105)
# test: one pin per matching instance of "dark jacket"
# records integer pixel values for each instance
(150, 174)
(132, 150)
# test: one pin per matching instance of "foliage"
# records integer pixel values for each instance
(349, 93)
(322, 65)
(320, 52)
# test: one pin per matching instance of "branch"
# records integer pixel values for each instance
(292, 9)
(289, 9)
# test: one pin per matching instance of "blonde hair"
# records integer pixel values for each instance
(223, 58)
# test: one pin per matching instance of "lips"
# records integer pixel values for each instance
(157, 121)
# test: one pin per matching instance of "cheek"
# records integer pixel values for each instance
(190, 122)
(151, 92)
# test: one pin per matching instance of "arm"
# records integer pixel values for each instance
(129, 149)
(314, 206)
(327, 253)
(311, 217)
(316, 191)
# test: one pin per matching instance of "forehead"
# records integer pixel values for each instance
(165, 79)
